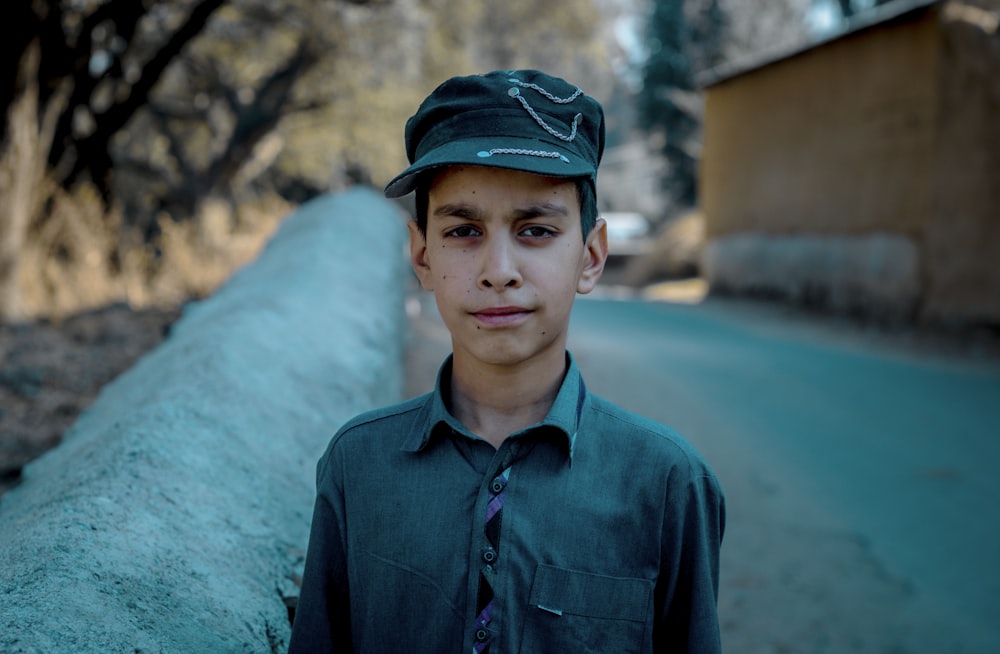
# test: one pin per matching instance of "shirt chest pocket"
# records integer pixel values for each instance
(572, 611)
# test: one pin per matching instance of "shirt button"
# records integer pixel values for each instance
(482, 635)
(496, 486)
(489, 555)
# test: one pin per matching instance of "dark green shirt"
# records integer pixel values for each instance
(609, 542)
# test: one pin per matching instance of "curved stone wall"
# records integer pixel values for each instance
(174, 514)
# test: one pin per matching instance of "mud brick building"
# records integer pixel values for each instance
(863, 172)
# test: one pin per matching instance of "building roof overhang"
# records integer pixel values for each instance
(898, 11)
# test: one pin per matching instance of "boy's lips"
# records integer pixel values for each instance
(501, 316)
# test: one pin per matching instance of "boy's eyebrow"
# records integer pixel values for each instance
(458, 210)
(470, 212)
(542, 209)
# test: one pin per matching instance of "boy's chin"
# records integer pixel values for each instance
(509, 355)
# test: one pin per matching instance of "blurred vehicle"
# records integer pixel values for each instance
(629, 233)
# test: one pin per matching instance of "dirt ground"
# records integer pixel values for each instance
(50, 372)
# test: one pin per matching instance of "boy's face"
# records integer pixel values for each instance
(504, 256)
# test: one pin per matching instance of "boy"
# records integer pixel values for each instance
(509, 510)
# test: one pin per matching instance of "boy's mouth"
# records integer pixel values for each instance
(501, 316)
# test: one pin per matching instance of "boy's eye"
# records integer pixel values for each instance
(537, 231)
(462, 231)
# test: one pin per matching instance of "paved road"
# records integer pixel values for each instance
(860, 475)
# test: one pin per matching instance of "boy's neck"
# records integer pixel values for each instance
(495, 401)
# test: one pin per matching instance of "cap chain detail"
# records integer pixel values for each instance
(516, 94)
(557, 100)
(531, 153)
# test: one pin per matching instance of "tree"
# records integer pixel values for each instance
(73, 76)
(223, 97)
(756, 28)
(78, 76)
(169, 107)
(683, 38)
(103, 54)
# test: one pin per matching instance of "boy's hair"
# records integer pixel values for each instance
(585, 193)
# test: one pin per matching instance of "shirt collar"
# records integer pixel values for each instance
(563, 418)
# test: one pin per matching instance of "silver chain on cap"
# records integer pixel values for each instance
(530, 153)
(515, 93)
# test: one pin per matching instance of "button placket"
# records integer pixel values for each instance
(489, 556)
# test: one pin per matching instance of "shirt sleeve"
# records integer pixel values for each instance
(687, 591)
(322, 620)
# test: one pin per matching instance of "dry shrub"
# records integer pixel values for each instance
(196, 256)
(24, 183)
(675, 254)
(77, 255)
(68, 258)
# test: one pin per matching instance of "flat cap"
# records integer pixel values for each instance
(517, 119)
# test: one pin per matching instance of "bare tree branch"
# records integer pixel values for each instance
(125, 14)
(92, 151)
(254, 122)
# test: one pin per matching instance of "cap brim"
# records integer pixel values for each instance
(529, 155)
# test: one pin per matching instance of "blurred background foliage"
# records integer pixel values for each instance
(149, 147)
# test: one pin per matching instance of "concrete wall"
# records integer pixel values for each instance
(891, 130)
(876, 274)
(962, 244)
(174, 515)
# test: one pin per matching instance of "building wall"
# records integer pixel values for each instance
(962, 245)
(835, 139)
(891, 130)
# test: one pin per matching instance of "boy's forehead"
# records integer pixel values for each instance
(485, 175)
(482, 191)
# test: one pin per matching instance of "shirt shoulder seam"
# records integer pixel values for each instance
(657, 430)
(373, 416)
(383, 413)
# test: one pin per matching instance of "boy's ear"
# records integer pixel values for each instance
(595, 255)
(418, 256)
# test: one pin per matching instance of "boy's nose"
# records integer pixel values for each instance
(499, 266)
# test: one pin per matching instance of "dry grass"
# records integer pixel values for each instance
(24, 183)
(81, 257)
(200, 254)
(71, 254)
